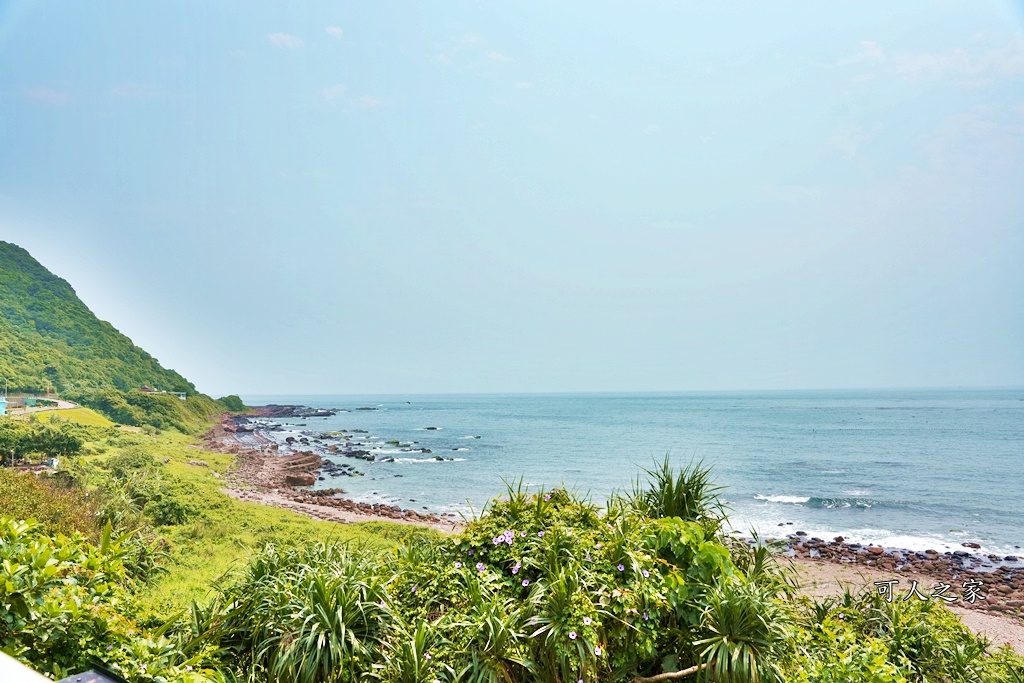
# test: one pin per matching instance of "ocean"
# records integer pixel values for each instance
(905, 469)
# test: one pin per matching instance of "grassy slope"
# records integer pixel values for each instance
(82, 416)
(229, 530)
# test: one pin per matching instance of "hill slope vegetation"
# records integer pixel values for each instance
(47, 335)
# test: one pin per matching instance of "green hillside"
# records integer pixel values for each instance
(48, 335)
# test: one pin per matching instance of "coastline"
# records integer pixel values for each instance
(824, 568)
(261, 475)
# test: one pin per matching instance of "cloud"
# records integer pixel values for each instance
(870, 53)
(334, 32)
(133, 91)
(333, 93)
(652, 129)
(849, 141)
(471, 44)
(44, 95)
(1007, 61)
(523, 85)
(286, 40)
(370, 101)
(971, 68)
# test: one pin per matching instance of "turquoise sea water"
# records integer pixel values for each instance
(913, 469)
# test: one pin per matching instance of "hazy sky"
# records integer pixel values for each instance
(529, 196)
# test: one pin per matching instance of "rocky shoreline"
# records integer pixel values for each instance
(969, 580)
(262, 475)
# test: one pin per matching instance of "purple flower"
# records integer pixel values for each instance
(480, 566)
(646, 574)
(547, 496)
(413, 589)
(572, 635)
(498, 539)
(597, 651)
(509, 533)
(646, 617)
(515, 569)
(586, 621)
(427, 656)
(526, 582)
(470, 552)
(621, 567)
(589, 559)
(599, 545)
(523, 534)
(458, 565)
(109, 648)
(540, 534)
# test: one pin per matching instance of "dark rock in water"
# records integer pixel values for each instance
(426, 450)
(431, 429)
(1010, 558)
(438, 458)
(365, 408)
(801, 533)
(971, 545)
(961, 553)
(838, 539)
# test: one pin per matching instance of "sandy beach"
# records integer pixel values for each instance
(823, 578)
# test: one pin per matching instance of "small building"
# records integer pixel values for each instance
(31, 401)
(3, 405)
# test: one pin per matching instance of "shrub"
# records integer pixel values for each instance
(59, 509)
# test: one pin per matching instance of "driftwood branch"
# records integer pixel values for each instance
(671, 675)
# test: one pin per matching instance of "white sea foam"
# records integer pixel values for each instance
(429, 460)
(795, 500)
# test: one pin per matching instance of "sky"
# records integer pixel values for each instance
(465, 196)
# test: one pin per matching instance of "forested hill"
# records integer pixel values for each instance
(48, 334)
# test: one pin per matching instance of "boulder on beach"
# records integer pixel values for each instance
(300, 479)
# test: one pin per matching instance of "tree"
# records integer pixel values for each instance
(15, 442)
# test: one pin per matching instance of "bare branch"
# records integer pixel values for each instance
(672, 675)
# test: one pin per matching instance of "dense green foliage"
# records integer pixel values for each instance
(540, 588)
(162, 411)
(48, 335)
(19, 440)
